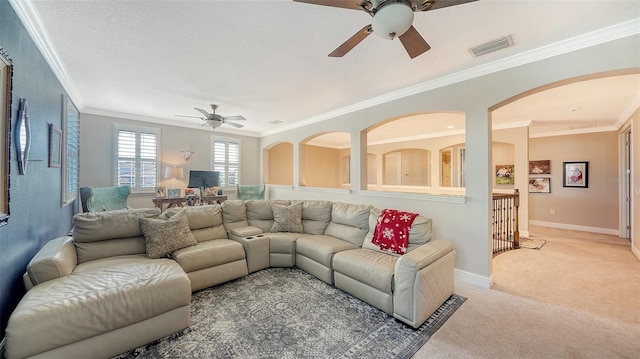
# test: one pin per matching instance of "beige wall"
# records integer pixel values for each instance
(322, 167)
(592, 208)
(97, 153)
(279, 164)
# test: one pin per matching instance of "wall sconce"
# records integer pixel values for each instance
(173, 173)
(187, 155)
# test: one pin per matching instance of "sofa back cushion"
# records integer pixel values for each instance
(205, 221)
(419, 234)
(349, 222)
(111, 233)
(316, 215)
(234, 214)
(260, 213)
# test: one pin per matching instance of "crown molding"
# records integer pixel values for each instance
(32, 22)
(610, 33)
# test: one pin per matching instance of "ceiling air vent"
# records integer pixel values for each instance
(275, 122)
(491, 46)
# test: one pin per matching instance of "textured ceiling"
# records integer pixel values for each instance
(267, 60)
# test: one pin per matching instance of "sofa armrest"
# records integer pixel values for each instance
(423, 281)
(55, 259)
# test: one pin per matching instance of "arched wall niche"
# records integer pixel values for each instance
(325, 160)
(406, 150)
(278, 164)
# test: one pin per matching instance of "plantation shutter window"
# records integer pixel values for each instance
(70, 151)
(226, 160)
(137, 158)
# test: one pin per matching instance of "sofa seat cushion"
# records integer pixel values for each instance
(208, 254)
(321, 248)
(98, 297)
(283, 242)
(373, 268)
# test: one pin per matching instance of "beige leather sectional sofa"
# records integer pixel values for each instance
(98, 294)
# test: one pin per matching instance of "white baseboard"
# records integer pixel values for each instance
(471, 278)
(574, 227)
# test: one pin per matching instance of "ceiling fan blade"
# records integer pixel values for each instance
(237, 125)
(426, 5)
(347, 4)
(414, 43)
(207, 114)
(235, 118)
(352, 42)
(187, 116)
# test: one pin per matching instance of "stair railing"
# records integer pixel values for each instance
(505, 227)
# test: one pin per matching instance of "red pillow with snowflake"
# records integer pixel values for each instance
(392, 230)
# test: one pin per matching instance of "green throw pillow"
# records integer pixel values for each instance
(287, 218)
(164, 237)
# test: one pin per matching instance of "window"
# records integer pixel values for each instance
(137, 159)
(70, 151)
(226, 160)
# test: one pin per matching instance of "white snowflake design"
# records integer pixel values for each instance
(405, 217)
(387, 233)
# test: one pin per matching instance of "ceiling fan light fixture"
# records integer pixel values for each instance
(392, 20)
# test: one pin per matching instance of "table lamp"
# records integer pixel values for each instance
(173, 173)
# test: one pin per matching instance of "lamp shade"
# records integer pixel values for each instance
(173, 172)
(392, 20)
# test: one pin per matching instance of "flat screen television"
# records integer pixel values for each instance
(203, 179)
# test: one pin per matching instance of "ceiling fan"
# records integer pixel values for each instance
(214, 120)
(391, 19)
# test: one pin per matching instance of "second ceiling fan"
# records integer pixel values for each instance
(391, 19)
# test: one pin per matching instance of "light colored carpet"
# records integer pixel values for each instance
(576, 297)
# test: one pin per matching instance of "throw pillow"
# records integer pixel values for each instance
(287, 218)
(163, 237)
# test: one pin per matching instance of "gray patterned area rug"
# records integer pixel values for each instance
(287, 313)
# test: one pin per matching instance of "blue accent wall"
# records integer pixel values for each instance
(36, 215)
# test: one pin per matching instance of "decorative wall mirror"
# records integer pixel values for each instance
(23, 136)
(6, 73)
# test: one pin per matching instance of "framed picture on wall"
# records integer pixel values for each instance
(575, 174)
(540, 167)
(504, 174)
(55, 146)
(539, 185)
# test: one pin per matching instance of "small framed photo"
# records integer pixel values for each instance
(161, 192)
(575, 174)
(55, 146)
(174, 192)
(540, 167)
(539, 185)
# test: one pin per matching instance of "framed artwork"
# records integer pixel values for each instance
(6, 76)
(540, 167)
(505, 174)
(55, 146)
(174, 192)
(160, 192)
(539, 185)
(575, 174)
